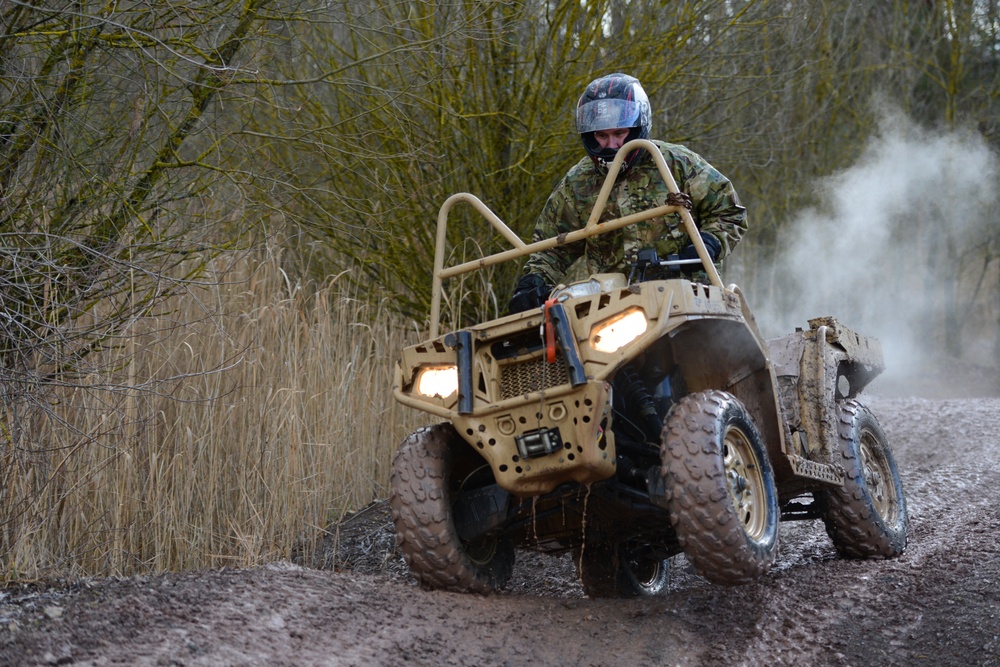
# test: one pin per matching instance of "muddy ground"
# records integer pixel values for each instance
(938, 604)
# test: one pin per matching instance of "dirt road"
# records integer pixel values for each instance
(939, 604)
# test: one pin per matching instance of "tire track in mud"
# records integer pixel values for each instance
(938, 604)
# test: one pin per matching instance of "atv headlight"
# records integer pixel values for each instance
(615, 333)
(437, 381)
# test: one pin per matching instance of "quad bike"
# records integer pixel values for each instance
(629, 420)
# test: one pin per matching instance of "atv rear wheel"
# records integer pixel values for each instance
(609, 570)
(433, 465)
(866, 517)
(720, 488)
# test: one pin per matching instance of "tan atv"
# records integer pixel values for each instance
(629, 420)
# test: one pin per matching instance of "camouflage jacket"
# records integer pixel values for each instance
(717, 211)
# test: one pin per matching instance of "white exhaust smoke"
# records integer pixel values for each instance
(892, 239)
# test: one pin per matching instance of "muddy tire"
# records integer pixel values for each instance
(867, 517)
(427, 471)
(616, 571)
(720, 488)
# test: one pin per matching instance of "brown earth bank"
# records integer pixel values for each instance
(938, 604)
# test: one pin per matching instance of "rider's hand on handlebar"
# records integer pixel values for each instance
(712, 245)
(531, 292)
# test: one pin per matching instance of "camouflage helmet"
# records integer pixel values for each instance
(612, 102)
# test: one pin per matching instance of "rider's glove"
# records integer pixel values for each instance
(712, 245)
(531, 292)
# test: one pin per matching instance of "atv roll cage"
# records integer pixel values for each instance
(592, 228)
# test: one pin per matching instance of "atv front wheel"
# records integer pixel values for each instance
(720, 488)
(866, 517)
(617, 571)
(430, 470)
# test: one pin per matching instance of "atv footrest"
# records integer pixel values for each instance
(823, 472)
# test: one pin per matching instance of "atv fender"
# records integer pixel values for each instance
(816, 368)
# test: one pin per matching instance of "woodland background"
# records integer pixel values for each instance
(217, 224)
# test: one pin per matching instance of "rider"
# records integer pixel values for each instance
(613, 110)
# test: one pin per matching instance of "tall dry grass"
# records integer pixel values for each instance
(251, 417)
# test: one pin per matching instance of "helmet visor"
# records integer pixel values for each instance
(610, 113)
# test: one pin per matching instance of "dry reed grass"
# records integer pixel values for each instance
(251, 417)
